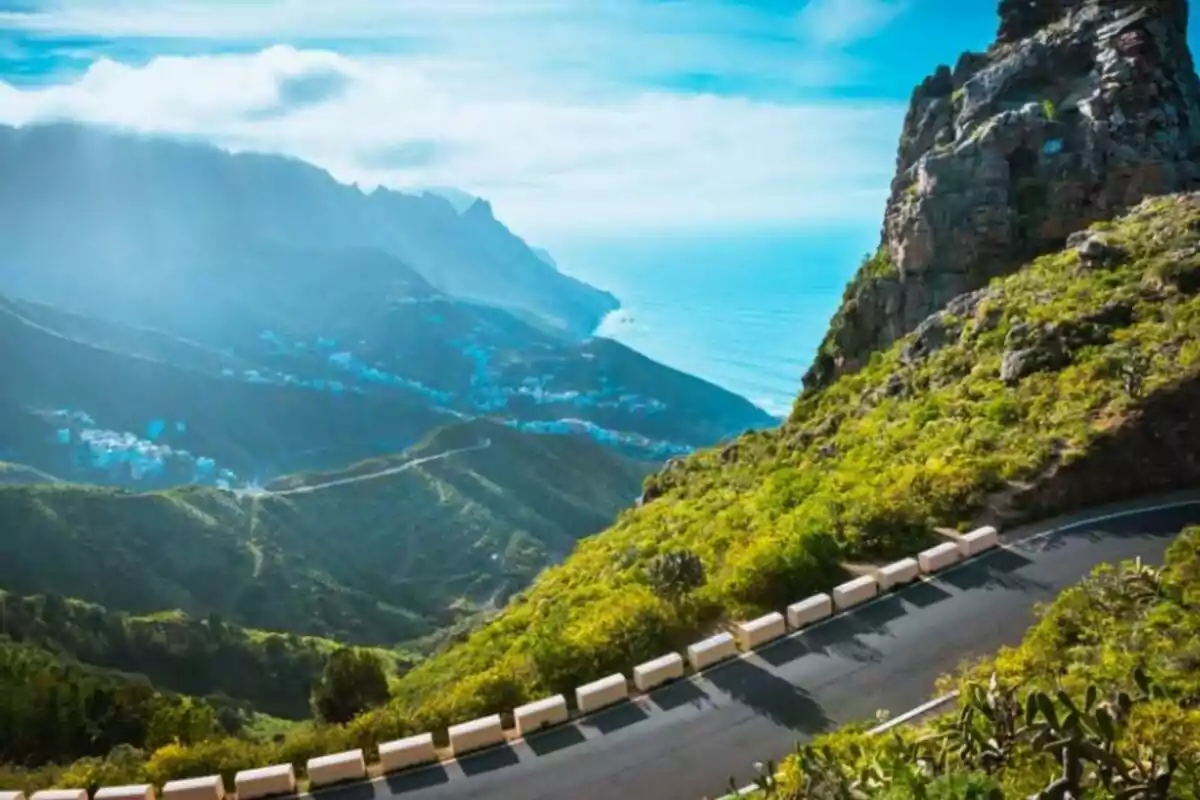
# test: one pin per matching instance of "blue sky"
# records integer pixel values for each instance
(573, 116)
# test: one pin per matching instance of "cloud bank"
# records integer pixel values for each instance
(566, 117)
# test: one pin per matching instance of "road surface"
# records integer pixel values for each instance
(407, 465)
(686, 740)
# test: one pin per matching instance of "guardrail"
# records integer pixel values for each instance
(414, 751)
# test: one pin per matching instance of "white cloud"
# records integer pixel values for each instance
(840, 22)
(553, 109)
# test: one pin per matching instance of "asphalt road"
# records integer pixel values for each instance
(686, 740)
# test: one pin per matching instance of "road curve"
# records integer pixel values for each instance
(685, 740)
(407, 465)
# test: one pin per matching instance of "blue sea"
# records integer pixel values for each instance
(745, 311)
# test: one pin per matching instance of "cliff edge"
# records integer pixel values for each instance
(1079, 110)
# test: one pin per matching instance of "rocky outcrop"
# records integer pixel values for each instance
(1080, 109)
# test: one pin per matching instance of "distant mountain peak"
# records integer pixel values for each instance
(457, 198)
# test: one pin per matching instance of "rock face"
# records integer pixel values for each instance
(1080, 109)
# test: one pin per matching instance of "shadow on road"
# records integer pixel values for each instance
(680, 693)
(488, 761)
(555, 739)
(616, 718)
(998, 569)
(784, 651)
(924, 594)
(840, 636)
(771, 696)
(417, 779)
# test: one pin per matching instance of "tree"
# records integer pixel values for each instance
(675, 573)
(352, 682)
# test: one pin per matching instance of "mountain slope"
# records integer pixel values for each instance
(374, 559)
(1072, 381)
(92, 400)
(154, 220)
(1080, 109)
(271, 672)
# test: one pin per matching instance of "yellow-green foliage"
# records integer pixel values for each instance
(862, 469)
(1098, 634)
(854, 473)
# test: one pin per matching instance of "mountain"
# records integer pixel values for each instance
(1069, 376)
(1080, 109)
(382, 552)
(154, 223)
(209, 322)
(95, 401)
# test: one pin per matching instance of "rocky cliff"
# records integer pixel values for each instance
(1077, 111)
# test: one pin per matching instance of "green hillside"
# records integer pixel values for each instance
(54, 709)
(1068, 383)
(1114, 661)
(1064, 384)
(271, 672)
(379, 560)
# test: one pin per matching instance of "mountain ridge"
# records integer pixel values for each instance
(279, 199)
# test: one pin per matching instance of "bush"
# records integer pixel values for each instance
(353, 681)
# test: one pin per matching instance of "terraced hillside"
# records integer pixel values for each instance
(362, 557)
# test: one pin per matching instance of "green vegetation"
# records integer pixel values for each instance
(387, 560)
(1049, 109)
(51, 709)
(674, 574)
(1101, 700)
(927, 434)
(273, 672)
(353, 681)
(862, 470)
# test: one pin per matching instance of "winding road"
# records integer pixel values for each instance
(316, 487)
(687, 739)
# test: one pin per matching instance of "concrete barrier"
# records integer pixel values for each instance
(978, 540)
(265, 781)
(141, 792)
(408, 752)
(475, 735)
(758, 632)
(542, 714)
(12, 796)
(60, 794)
(601, 693)
(851, 593)
(809, 610)
(657, 672)
(940, 557)
(210, 787)
(711, 650)
(899, 573)
(335, 768)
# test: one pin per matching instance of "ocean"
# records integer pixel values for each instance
(744, 311)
